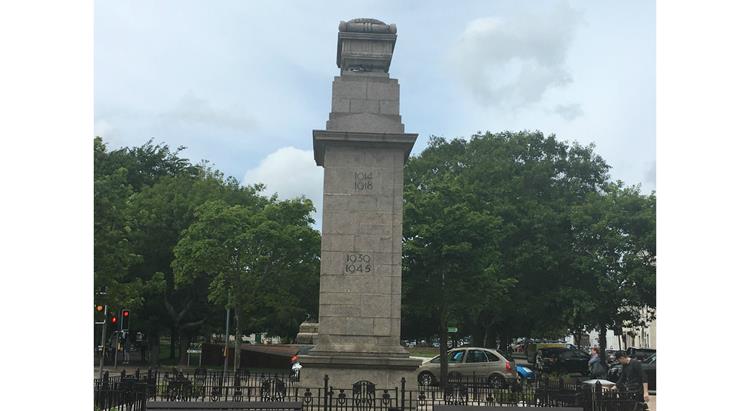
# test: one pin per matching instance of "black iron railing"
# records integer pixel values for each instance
(243, 386)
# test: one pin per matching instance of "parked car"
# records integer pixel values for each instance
(519, 345)
(649, 367)
(562, 360)
(640, 354)
(471, 362)
(533, 347)
(525, 373)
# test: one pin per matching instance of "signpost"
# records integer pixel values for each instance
(195, 349)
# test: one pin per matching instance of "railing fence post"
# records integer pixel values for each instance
(403, 393)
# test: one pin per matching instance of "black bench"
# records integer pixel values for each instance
(483, 408)
(224, 405)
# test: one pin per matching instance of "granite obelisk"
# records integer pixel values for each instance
(362, 150)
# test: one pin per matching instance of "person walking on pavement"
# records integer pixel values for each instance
(632, 377)
(597, 366)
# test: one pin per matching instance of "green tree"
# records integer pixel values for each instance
(144, 197)
(554, 230)
(250, 258)
(450, 249)
(160, 212)
(524, 185)
(615, 248)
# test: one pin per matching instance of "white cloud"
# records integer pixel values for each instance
(290, 172)
(513, 61)
(192, 110)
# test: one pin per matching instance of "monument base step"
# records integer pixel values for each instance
(344, 371)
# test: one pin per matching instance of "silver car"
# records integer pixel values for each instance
(472, 363)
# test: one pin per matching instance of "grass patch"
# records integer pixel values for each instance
(423, 351)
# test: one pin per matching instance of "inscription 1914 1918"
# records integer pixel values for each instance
(362, 181)
(357, 263)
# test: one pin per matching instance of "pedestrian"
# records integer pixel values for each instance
(597, 364)
(632, 378)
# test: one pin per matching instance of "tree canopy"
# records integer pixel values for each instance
(146, 200)
(513, 223)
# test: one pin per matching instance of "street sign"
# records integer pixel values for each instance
(452, 329)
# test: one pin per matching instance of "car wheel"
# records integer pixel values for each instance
(496, 381)
(426, 379)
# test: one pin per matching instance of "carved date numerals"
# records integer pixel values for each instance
(362, 181)
(358, 263)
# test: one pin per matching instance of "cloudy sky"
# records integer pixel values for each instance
(242, 84)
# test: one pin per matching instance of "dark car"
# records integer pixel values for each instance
(611, 357)
(562, 361)
(640, 354)
(649, 367)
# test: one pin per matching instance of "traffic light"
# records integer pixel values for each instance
(125, 319)
(113, 319)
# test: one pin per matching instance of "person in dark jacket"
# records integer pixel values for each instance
(632, 377)
(597, 364)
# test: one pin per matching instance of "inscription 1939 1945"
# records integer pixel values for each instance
(357, 263)
(362, 181)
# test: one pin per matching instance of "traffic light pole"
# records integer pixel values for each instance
(104, 335)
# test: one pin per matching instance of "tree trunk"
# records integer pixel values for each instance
(172, 342)
(443, 349)
(477, 335)
(154, 347)
(443, 333)
(490, 338)
(182, 343)
(602, 339)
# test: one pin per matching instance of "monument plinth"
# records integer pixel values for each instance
(363, 150)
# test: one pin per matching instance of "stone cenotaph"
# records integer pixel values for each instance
(363, 150)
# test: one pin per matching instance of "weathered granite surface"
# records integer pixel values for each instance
(362, 150)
